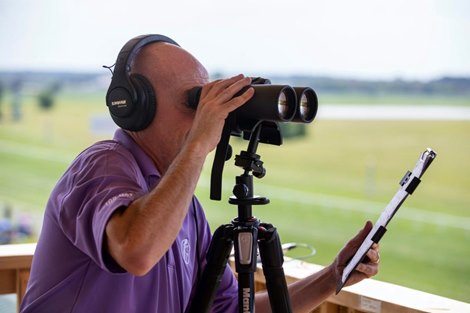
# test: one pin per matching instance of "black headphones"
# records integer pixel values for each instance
(130, 98)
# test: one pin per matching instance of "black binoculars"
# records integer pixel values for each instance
(275, 103)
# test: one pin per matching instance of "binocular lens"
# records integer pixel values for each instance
(303, 106)
(283, 106)
(308, 105)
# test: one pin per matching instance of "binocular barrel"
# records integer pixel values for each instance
(270, 102)
(277, 103)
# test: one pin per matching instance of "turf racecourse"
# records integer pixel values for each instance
(322, 187)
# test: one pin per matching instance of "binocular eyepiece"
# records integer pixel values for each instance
(275, 103)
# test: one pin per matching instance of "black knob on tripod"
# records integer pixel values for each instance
(260, 172)
(241, 191)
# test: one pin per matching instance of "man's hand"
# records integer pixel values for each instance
(216, 102)
(363, 270)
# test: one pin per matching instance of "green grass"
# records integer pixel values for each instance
(322, 188)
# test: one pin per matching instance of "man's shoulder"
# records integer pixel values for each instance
(105, 148)
(102, 158)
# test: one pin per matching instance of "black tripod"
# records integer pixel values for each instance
(247, 232)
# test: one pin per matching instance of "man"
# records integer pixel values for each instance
(122, 230)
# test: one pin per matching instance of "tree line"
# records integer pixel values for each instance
(444, 86)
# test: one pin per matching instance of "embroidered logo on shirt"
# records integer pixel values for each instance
(185, 250)
(122, 195)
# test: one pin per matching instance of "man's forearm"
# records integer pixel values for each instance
(139, 236)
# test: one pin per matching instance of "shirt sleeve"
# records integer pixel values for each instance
(97, 185)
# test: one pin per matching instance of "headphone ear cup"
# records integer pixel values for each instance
(142, 110)
(146, 104)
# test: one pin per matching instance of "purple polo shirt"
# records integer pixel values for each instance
(71, 272)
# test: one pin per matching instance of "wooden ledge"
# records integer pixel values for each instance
(15, 265)
(372, 295)
(16, 256)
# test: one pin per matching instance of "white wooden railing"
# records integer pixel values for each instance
(367, 296)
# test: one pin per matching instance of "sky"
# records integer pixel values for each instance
(368, 39)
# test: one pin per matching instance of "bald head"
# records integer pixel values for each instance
(168, 66)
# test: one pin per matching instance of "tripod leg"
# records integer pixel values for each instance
(217, 258)
(272, 259)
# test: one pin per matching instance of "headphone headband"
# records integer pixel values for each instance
(127, 54)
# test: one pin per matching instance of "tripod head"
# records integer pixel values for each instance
(264, 132)
(249, 160)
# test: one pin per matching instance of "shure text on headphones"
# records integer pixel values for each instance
(119, 102)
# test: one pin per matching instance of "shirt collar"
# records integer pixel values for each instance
(146, 165)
